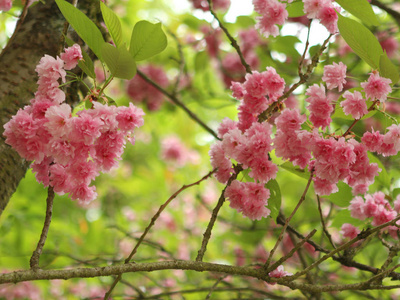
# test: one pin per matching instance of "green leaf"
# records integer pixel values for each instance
(200, 61)
(395, 193)
(344, 216)
(113, 24)
(360, 9)
(296, 9)
(286, 44)
(147, 40)
(86, 64)
(361, 40)
(275, 199)
(295, 170)
(83, 26)
(119, 61)
(245, 21)
(343, 197)
(387, 69)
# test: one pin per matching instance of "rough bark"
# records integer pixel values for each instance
(39, 34)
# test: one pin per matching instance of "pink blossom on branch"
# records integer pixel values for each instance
(377, 87)
(273, 13)
(334, 76)
(354, 105)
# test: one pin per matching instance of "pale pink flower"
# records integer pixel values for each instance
(377, 87)
(231, 143)
(262, 169)
(220, 161)
(59, 179)
(59, 117)
(290, 120)
(357, 208)
(85, 128)
(51, 68)
(130, 117)
(71, 56)
(354, 105)
(320, 107)
(216, 4)
(279, 272)
(324, 187)
(328, 17)
(83, 193)
(225, 126)
(313, 7)
(372, 140)
(83, 171)
(5, 5)
(273, 13)
(237, 90)
(61, 150)
(349, 231)
(140, 90)
(334, 76)
(393, 136)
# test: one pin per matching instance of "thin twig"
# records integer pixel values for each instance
(355, 121)
(178, 103)
(181, 63)
(305, 48)
(360, 236)
(290, 254)
(153, 220)
(221, 200)
(215, 286)
(303, 197)
(231, 39)
(328, 235)
(34, 261)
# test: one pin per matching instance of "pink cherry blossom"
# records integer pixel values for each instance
(220, 161)
(71, 56)
(320, 106)
(130, 117)
(51, 68)
(377, 87)
(372, 140)
(273, 13)
(328, 17)
(5, 5)
(216, 4)
(349, 231)
(313, 7)
(334, 76)
(279, 272)
(354, 105)
(225, 126)
(59, 118)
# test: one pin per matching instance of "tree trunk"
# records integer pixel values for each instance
(37, 35)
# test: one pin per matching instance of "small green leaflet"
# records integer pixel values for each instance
(343, 197)
(83, 26)
(275, 199)
(113, 24)
(344, 216)
(387, 69)
(296, 9)
(295, 170)
(147, 40)
(360, 9)
(361, 40)
(119, 61)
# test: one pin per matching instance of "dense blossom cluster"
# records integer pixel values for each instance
(387, 144)
(324, 11)
(272, 13)
(140, 90)
(376, 207)
(69, 151)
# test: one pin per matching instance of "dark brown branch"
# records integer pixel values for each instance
(178, 103)
(34, 262)
(231, 39)
(392, 12)
(303, 197)
(152, 222)
(328, 235)
(221, 200)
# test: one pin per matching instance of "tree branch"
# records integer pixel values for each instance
(34, 261)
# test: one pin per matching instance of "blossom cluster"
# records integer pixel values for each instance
(324, 11)
(216, 4)
(387, 144)
(140, 90)
(376, 207)
(69, 151)
(272, 13)
(335, 159)
(248, 143)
